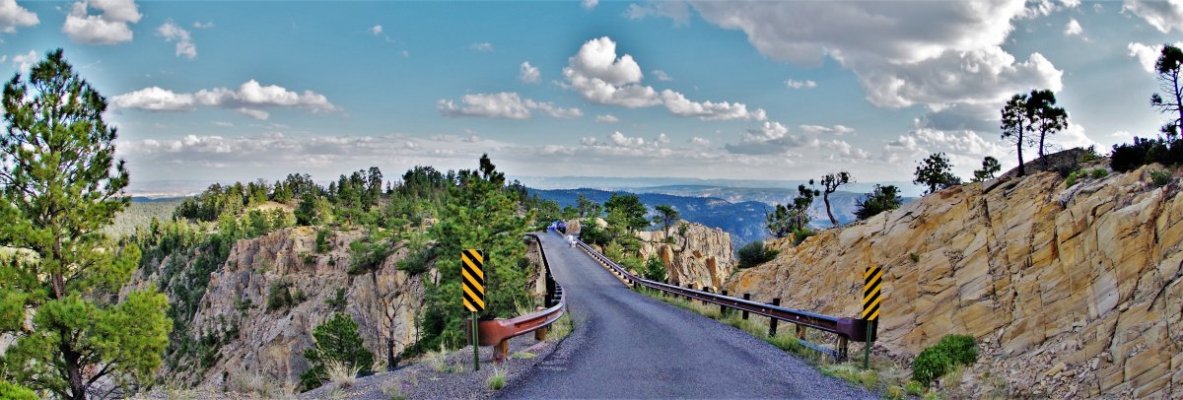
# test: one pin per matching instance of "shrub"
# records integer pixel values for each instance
(914, 388)
(1128, 157)
(1160, 177)
(755, 253)
(882, 198)
(936, 361)
(929, 365)
(15, 392)
(1099, 173)
(278, 296)
(654, 270)
(418, 261)
(962, 349)
(801, 234)
(322, 241)
(337, 341)
(914, 257)
(367, 254)
(1071, 179)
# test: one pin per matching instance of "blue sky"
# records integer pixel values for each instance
(205, 91)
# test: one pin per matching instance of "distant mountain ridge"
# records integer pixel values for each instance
(738, 211)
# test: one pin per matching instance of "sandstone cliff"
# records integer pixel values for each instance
(1072, 291)
(699, 256)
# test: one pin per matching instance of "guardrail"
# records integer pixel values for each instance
(847, 329)
(497, 332)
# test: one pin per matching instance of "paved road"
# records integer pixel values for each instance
(626, 345)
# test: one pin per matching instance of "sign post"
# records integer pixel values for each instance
(871, 289)
(472, 262)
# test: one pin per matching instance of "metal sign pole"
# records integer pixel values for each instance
(476, 362)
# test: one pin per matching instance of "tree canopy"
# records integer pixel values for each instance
(936, 173)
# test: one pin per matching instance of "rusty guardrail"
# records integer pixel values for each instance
(497, 332)
(847, 329)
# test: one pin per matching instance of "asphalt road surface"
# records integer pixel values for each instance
(627, 345)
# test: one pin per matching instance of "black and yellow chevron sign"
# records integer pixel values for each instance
(473, 283)
(874, 282)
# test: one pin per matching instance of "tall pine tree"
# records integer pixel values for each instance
(59, 186)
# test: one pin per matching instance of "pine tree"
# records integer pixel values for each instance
(59, 186)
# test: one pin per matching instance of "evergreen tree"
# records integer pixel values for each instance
(337, 341)
(936, 172)
(831, 182)
(630, 210)
(882, 198)
(990, 166)
(666, 216)
(1167, 67)
(59, 186)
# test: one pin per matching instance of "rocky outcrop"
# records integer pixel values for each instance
(262, 337)
(699, 256)
(1072, 292)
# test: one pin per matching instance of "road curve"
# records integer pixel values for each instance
(626, 345)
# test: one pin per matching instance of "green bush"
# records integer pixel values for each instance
(322, 241)
(801, 234)
(935, 361)
(754, 253)
(654, 270)
(367, 254)
(279, 297)
(12, 391)
(929, 365)
(1128, 157)
(962, 349)
(1099, 173)
(1072, 177)
(337, 341)
(1160, 177)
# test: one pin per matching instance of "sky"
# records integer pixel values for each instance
(224, 91)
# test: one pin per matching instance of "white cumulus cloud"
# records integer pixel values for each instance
(376, 30)
(14, 16)
(246, 99)
(598, 74)
(931, 53)
(502, 105)
(173, 33)
(1147, 54)
(110, 26)
(1073, 28)
(24, 61)
(529, 73)
(661, 75)
(589, 4)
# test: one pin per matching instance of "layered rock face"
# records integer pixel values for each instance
(270, 341)
(701, 257)
(1072, 292)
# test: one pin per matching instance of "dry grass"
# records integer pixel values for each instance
(561, 328)
(340, 374)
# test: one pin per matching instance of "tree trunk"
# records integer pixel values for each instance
(826, 199)
(73, 369)
(391, 363)
(1042, 134)
(1178, 102)
(1019, 146)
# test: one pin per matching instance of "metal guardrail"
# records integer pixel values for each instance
(847, 329)
(498, 332)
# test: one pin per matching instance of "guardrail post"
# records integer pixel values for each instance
(842, 348)
(708, 290)
(723, 309)
(746, 296)
(501, 350)
(772, 321)
(800, 331)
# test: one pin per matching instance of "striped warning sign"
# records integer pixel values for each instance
(871, 289)
(472, 263)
